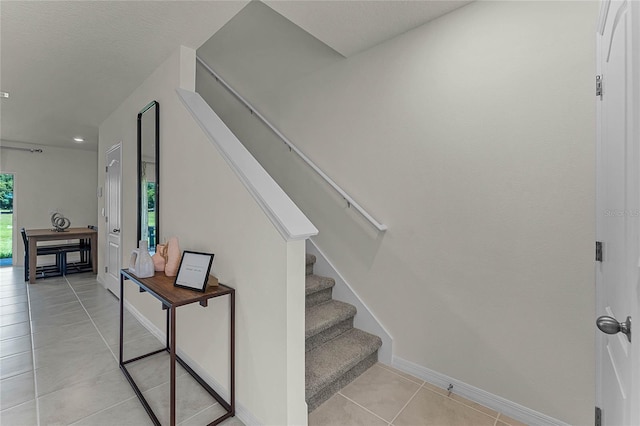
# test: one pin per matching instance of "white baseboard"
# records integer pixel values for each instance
(489, 400)
(365, 319)
(244, 415)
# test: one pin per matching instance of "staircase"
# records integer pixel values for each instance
(336, 353)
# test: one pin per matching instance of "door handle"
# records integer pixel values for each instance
(610, 325)
(115, 230)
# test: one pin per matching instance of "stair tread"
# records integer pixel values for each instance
(328, 362)
(325, 315)
(315, 283)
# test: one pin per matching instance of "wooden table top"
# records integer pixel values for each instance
(162, 286)
(69, 233)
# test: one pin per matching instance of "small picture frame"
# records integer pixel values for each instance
(194, 269)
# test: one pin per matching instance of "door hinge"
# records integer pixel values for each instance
(106, 169)
(598, 416)
(106, 269)
(598, 251)
(599, 86)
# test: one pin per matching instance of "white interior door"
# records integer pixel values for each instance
(618, 214)
(112, 218)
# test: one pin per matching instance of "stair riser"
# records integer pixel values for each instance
(324, 336)
(318, 297)
(328, 391)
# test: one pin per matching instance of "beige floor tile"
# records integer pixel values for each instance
(206, 416)
(18, 290)
(72, 351)
(139, 346)
(506, 420)
(127, 413)
(38, 303)
(465, 401)
(66, 318)
(14, 318)
(233, 421)
(16, 390)
(48, 335)
(153, 371)
(54, 295)
(13, 300)
(401, 373)
(23, 415)
(191, 399)
(12, 309)
(15, 330)
(63, 373)
(430, 408)
(435, 388)
(132, 330)
(338, 410)
(15, 364)
(381, 391)
(48, 311)
(15, 346)
(83, 399)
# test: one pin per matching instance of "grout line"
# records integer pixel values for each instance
(462, 403)
(198, 413)
(405, 405)
(104, 409)
(92, 321)
(33, 356)
(400, 375)
(362, 406)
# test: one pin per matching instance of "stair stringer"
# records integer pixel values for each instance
(365, 319)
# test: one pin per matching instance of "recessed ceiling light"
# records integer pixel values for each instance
(4, 94)
(78, 140)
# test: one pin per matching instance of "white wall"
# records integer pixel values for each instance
(58, 179)
(208, 208)
(472, 138)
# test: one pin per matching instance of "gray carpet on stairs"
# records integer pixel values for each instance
(336, 353)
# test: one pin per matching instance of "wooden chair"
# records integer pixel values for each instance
(46, 270)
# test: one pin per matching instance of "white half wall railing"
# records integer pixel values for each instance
(283, 213)
(350, 201)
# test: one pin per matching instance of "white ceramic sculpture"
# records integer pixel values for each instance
(141, 264)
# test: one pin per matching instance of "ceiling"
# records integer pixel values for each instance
(68, 64)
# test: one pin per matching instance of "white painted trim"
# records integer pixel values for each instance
(241, 411)
(364, 319)
(489, 400)
(283, 213)
(602, 16)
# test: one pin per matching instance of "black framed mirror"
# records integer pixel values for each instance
(149, 175)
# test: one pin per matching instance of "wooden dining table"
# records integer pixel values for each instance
(37, 235)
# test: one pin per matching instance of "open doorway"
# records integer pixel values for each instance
(6, 219)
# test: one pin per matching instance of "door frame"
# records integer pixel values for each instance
(105, 244)
(14, 221)
(634, 129)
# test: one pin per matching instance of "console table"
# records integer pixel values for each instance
(161, 287)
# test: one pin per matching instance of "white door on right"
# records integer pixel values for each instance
(618, 214)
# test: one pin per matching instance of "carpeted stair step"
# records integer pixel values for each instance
(310, 261)
(327, 321)
(318, 289)
(335, 364)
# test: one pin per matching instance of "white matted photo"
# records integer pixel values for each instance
(194, 270)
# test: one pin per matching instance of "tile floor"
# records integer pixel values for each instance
(58, 366)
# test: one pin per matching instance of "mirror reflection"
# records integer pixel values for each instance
(148, 174)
